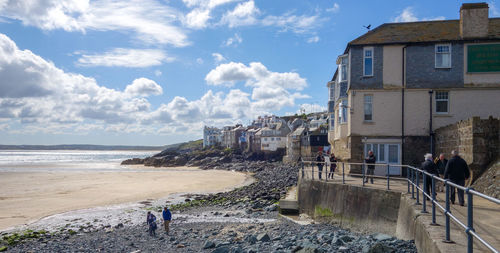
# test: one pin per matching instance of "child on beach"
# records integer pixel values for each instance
(151, 221)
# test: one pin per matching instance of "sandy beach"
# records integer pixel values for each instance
(28, 196)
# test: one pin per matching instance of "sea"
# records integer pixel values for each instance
(67, 160)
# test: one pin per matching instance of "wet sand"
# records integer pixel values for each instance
(28, 196)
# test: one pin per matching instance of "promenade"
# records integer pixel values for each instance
(486, 214)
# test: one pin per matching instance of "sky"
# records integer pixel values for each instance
(154, 72)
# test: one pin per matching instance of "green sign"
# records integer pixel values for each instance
(483, 58)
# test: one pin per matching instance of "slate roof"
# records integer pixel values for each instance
(419, 32)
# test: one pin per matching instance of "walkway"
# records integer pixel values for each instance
(486, 215)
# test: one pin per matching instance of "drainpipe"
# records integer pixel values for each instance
(403, 80)
(431, 134)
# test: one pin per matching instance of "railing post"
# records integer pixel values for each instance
(302, 169)
(388, 177)
(470, 220)
(326, 171)
(363, 172)
(343, 175)
(312, 171)
(447, 214)
(408, 178)
(412, 184)
(418, 185)
(424, 198)
(433, 202)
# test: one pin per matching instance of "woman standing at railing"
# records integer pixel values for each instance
(321, 160)
(429, 167)
(333, 165)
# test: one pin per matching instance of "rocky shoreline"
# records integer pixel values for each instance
(242, 220)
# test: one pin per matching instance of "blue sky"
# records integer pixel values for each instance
(154, 72)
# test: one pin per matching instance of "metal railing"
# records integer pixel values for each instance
(413, 179)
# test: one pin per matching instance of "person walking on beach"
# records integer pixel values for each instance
(151, 221)
(429, 167)
(457, 171)
(167, 217)
(333, 165)
(440, 166)
(320, 160)
(371, 159)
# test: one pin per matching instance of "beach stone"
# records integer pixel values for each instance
(263, 237)
(381, 237)
(224, 249)
(208, 245)
(380, 248)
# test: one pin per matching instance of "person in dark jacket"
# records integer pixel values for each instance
(320, 161)
(151, 221)
(429, 167)
(457, 171)
(333, 165)
(371, 168)
(167, 217)
(440, 166)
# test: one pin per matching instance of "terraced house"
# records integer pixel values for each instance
(396, 84)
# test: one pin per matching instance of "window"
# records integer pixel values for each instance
(368, 61)
(272, 138)
(443, 56)
(442, 102)
(332, 91)
(343, 68)
(278, 138)
(368, 108)
(332, 121)
(343, 107)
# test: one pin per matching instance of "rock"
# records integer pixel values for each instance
(180, 245)
(381, 237)
(308, 250)
(263, 237)
(119, 225)
(224, 249)
(252, 239)
(346, 238)
(3, 248)
(208, 245)
(338, 242)
(343, 249)
(380, 248)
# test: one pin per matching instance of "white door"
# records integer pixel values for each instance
(385, 153)
(393, 157)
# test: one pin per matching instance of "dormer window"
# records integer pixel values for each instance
(443, 56)
(368, 61)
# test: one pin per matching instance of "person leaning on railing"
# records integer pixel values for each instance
(440, 166)
(457, 171)
(320, 159)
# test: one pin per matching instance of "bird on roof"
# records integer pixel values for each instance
(368, 26)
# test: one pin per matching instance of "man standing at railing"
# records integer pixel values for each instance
(440, 166)
(457, 171)
(371, 168)
(320, 160)
(429, 167)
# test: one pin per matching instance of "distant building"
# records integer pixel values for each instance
(399, 82)
(212, 136)
(273, 137)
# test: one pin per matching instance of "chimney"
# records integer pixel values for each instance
(474, 20)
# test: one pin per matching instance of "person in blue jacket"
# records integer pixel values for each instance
(167, 217)
(151, 221)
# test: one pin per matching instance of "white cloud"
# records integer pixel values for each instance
(158, 72)
(311, 108)
(143, 87)
(198, 18)
(236, 39)
(297, 24)
(126, 57)
(218, 57)
(408, 15)
(313, 39)
(335, 8)
(256, 74)
(199, 60)
(150, 21)
(242, 15)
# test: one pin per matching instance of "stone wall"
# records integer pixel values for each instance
(477, 141)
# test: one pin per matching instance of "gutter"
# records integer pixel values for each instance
(403, 84)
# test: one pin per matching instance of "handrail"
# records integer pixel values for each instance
(413, 181)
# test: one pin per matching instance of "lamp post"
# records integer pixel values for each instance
(431, 133)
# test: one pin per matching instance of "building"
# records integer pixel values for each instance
(212, 136)
(273, 136)
(293, 145)
(314, 139)
(396, 84)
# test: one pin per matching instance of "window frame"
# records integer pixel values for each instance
(436, 100)
(343, 114)
(436, 55)
(343, 76)
(364, 60)
(364, 107)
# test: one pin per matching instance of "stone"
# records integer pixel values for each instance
(263, 237)
(208, 245)
(224, 249)
(380, 248)
(308, 250)
(381, 237)
(252, 239)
